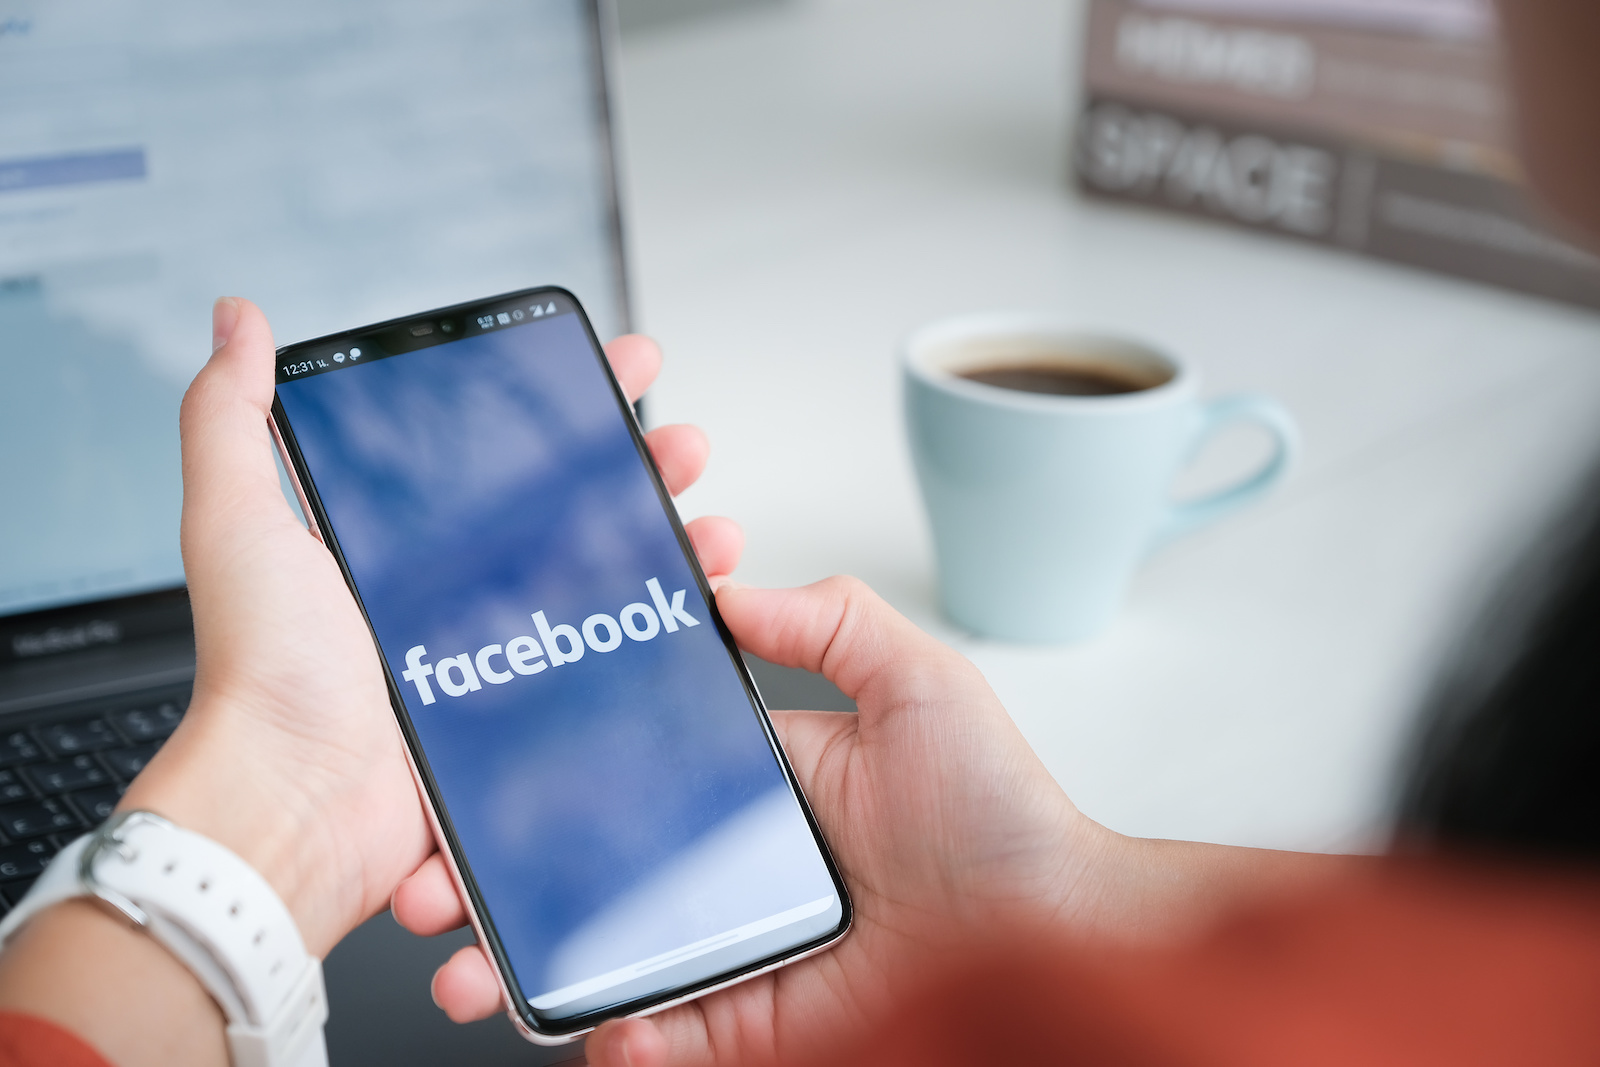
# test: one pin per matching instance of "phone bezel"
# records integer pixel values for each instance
(527, 1019)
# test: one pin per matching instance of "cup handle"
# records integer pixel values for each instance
(1242, 407)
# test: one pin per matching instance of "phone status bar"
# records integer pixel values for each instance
(339, 352)
(496, 319)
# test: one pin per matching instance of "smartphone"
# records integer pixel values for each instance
(602, 776)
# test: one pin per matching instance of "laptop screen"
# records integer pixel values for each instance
(337, 161)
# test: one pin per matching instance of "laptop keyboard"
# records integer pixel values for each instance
(63, 775)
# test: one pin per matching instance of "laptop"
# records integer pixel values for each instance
(337, 161)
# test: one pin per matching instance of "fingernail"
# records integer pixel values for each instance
(224, 317)
(722, 582)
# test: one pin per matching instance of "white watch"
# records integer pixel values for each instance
(215, 913)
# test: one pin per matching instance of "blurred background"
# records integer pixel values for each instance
(1316, 199)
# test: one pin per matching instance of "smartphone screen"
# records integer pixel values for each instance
(624, 822)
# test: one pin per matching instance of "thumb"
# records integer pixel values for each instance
(841, 629)
(228, 472)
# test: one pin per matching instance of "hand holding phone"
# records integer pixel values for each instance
(950, 830)
(290, 720)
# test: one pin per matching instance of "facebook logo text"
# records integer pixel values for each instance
(555, 646)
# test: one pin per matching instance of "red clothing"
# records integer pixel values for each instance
(28, 1041)
(1408, 966)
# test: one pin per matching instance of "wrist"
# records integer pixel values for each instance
(1143, 889)
(214, 778)
(1093, 868)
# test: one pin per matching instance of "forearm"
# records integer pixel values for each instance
(90, 971)
(112, 985)
(1217, 878)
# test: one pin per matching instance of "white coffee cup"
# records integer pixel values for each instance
(1042, 505)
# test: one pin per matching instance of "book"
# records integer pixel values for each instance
(1380, 136)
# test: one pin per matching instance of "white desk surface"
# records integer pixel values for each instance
(812, 180)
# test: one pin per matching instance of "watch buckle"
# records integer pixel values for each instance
(112, 837)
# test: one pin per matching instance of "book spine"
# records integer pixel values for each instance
(1427, 98)
(1318, 188)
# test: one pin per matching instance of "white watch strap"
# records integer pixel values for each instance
(214, 912)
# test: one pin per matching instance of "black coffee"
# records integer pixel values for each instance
(1060, 379)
